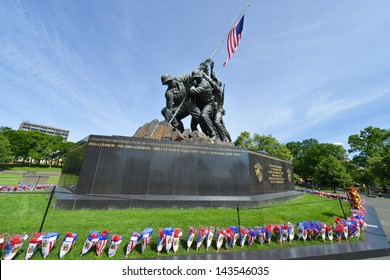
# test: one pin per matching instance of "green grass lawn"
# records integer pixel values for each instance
(7, 179)
(23, 212)
(37, 168)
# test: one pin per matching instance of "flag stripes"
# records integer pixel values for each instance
(234, 38)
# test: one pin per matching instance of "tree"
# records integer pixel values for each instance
(59, 149)
(244, 140)
(330, 172)
(308, 154)
(39, 145)
(321, 152)
(19, 141)
(378, 168)
(4, 129)
(370, 142)
(35, 145)
(386, 167)
(370, 149)
(5, 150)
(299, 151)
(263, 143)
(269, 145)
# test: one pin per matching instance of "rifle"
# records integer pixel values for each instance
(177, 110)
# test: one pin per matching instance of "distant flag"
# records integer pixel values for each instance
(234, 38)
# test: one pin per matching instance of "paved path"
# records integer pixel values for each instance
(382, 208)
(23, 172)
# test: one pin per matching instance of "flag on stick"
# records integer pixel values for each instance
(234, 38)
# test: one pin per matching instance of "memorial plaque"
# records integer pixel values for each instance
(168, 171)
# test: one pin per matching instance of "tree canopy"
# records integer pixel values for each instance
(371, 155)
(331, 172)
(263, 143)
(24, 145)
(5, 150)
(370, 142)
(328, 164)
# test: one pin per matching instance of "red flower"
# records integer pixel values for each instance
(116, 237)
(16, 240)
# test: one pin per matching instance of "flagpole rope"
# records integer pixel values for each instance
(224, 37)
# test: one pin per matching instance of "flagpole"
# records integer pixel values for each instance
(211, 56)
(224, 37)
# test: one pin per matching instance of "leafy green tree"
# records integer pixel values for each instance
(299, 151)
(39, 145)
(386, 166)
(35, 145)
(370, 142)
(320, 152)
(378, 168)
(4, 128)
(270, 145)
(308, 154)
(263, 143)
(330, 172)
(59, 149)
(244, 140)
(19, 141)
(5, 150)
(370, 149)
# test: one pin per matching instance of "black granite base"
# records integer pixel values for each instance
(127, 172)
(374, 245)
(68, 200)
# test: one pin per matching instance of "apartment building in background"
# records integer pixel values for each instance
(27, 126)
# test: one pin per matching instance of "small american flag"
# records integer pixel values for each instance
(234, 38)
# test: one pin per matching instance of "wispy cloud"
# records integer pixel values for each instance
(53, 73)
(323, 107)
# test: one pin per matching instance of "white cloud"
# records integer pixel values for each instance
(53, 76)
(323, 107)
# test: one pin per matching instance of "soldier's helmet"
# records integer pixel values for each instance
(196, 74)
(165, 78)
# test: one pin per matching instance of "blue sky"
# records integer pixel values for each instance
(304, 69)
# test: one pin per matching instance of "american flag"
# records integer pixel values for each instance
(234, 38)
(102, 241)
(100, 245)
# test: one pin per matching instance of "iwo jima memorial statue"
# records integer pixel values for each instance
(164, 165)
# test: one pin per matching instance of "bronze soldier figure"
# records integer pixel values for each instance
(202, 91)
(176, 94)
(219, 111)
